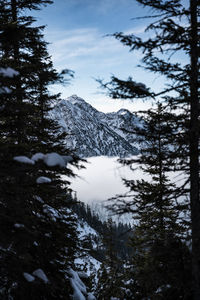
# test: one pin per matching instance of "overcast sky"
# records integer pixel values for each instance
(77, 29)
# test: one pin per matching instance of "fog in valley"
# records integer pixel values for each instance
(102, 179)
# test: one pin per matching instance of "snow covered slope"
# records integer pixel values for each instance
(85, 261)
(93, 133)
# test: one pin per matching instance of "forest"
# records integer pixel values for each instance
(53, 246)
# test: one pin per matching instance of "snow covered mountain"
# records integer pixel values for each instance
(94, 133)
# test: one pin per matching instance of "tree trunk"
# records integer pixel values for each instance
(194, 153)
(18, 83)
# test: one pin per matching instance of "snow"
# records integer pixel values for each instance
(75, 99)
(17, 225)
(67, 158)
(5, 90)
(85, 262)
(40, 274)
(77, 295)
(90, 132)
(78, 286)
(8, 72)
(24, 160)
(51, 212)
(82, 274)
(122, 112)
(50, 159)
(48, 235)
(28, 277)
(54, 159)
(43, 179)
(163, 287)
(91, 297)
(37, 156)
(92, 265)
(38, 199)
(84, 229)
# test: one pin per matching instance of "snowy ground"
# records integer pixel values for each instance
(86, 262)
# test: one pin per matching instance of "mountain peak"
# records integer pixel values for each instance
(72, 100)
(75, 99)
(94, 133)
(123, 111)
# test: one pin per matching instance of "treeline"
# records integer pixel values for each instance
(108, 230)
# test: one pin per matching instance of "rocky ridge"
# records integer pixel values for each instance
(94, 133)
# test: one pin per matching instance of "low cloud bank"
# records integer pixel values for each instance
(101, 179)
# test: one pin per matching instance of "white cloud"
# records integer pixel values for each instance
(91, 55)
(106, 104)
(101, 6)
(104, 6)
(100, 180)
(87, 43)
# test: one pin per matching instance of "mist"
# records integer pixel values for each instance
(102, 179)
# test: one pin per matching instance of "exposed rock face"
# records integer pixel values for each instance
(94, 133)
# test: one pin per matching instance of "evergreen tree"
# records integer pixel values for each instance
(110, 275)
(38, 231)
(175, 30)
(158, 270)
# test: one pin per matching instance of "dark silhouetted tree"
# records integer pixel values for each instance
(38, 230)
(174, 32)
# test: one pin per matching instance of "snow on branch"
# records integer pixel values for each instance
(50, 159)
(24, 160)
(5, 90)
(79, 288)
(40, 274)
(43, 179)
(28, 277)
(8, 72)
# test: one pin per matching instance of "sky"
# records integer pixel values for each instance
(77, 32)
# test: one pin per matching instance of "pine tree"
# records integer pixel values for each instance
(194, 134)
(110, 275)
(38, 230)
(158, 270)
(174, 31)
